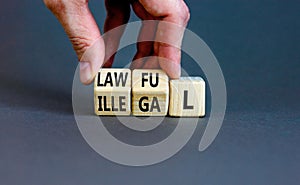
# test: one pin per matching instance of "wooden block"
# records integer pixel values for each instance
(187, 97)
(150, 92)
(112, 92)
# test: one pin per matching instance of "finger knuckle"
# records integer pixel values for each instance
(181, 15)
(188, 15)
(80, 44)
(185, 15)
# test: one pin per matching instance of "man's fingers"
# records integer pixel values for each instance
(80, 26)
(147, 34)
(174, 16)
(144, 49)
(118, 13)
(167, 48)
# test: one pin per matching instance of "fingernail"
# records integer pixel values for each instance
(86, 73)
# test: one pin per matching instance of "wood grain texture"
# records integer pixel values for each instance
(187, 97)
(112, 92)
(150, 92)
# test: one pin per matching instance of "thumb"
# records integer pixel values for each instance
(83, 32)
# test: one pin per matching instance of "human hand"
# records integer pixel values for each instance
(83, 32)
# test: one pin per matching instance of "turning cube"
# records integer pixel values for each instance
(187, 97)
(150, 92)
(112, 92)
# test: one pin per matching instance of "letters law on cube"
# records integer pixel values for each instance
(112, 92)
(187, 97)
(150, 92)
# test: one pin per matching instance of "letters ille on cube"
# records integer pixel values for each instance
(147, 93)
(112, 91)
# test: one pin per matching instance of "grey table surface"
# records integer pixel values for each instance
(257, 44)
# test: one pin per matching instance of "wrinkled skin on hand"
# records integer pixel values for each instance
(83, 32)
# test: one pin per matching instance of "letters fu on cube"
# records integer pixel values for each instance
(147, 93)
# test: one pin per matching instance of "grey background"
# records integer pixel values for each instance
(257, 45)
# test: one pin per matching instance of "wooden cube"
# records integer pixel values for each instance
(112, 92)
(187, 97)
(150, 92)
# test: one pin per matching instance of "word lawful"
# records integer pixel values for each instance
(147, 93)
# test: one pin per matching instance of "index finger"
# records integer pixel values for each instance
(174, 16)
